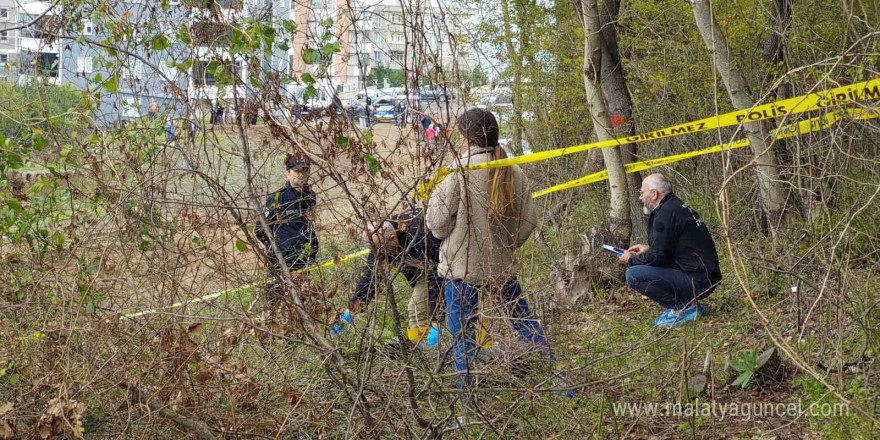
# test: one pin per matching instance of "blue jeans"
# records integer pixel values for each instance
(461, 305)
(667, 286)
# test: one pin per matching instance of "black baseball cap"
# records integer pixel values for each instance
(297, 163)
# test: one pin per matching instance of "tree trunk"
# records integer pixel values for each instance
(620, 105)
(618, 223)
(770, 185)
(515, 61)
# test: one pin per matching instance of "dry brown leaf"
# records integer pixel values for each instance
(203, 376)
(292, 396)
(196, 329)
(230, 337)
(6, 431)
(167, 343)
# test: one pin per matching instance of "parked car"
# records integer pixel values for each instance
(443, 94)
(316, 103)
(383, 109)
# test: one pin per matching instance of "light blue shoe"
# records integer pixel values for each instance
(336, 329)
(682, 316)
(664, 317)
(346, 317)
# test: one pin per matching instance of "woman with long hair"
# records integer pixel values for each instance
(482, 216)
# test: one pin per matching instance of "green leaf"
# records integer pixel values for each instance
(342, 142)
(14, 161)
(743, 379)
(14, 205)
(310, 56)
(13, 379)
(112, 83)
(38, 142)
(58, 238)
(739, 366)
(289, 26)
(330, 49)
(90, 307)
(311, 92)
(327, 22)
(284, 46)
(372, 163)
(160, 42)
(241, 245)
(308, 78)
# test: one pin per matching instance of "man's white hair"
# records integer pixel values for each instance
(660, 183)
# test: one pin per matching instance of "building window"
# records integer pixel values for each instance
(377, 57)
(4, 36)
(4, 59)
(318, 4)
(132, 69)
(46, 64)
(84, 64)
(4, 13)
(88, 27)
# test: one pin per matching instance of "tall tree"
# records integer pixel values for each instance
(515, 63)
(618, 222)
(770, 184)
(619, 103)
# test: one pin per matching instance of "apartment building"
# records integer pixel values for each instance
(376, 33)
(9, 47)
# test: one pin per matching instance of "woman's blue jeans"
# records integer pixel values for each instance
(461, 318)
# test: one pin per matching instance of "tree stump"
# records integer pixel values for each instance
(768, 367)
(697, 385)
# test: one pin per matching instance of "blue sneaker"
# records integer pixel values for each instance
(664, 317)
(678, 317)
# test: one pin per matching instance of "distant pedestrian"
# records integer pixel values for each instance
(430, 136)
(426, 122)
(169, 129)
(152, 109)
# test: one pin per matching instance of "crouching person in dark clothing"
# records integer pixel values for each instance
(287, 214)
(679, 265)
(403, 243)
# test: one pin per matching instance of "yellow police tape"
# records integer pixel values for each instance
(857, 92)
(786, 131)
(247, 286)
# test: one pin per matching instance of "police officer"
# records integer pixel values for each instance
(287, 214)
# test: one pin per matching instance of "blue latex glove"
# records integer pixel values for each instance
(336, 330)
(433, 336)
(346, 317)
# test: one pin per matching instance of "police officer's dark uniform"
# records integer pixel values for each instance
(285, 214)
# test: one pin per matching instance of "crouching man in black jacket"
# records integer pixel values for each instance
(679, 265)
(287, 213)
(402, 243)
